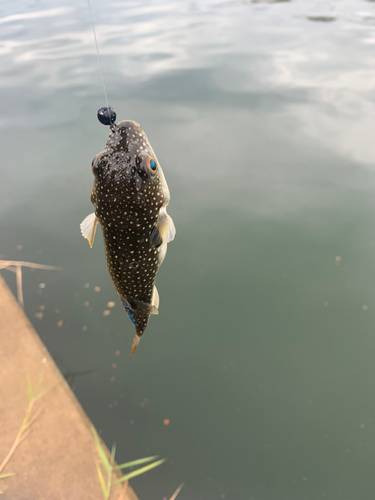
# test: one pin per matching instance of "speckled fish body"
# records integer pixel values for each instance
(130, 196)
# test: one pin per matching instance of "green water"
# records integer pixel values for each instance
(263, 117)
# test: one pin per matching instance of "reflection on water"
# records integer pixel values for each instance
(262, 355)
(321, 19)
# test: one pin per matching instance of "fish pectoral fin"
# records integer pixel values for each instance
(156, 238)
(170, 230)
(143, 307)
(155, 298)
(164, 231)
(88, 228)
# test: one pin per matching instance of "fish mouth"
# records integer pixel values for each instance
(129, 135)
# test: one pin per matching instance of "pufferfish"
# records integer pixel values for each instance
(130, 196)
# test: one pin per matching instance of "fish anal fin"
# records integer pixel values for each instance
(155, 298)
(143, 307)
(88, 228)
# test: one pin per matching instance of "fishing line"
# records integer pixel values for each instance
(111, 112)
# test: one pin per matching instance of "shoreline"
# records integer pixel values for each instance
(57, 458)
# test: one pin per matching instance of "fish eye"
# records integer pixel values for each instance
(151, 164)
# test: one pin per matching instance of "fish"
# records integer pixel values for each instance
(130, 196)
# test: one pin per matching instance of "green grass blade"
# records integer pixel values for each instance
(101, 481)
(111, 462)
(29, 389)
(38, 384)
(9, 474)
(135, 462)
(41, 394)
(113, 453)
(102, 454)
(140, 471)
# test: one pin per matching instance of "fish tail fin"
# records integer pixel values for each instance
(135, 343)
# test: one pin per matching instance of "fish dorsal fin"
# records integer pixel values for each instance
(88, 228)
(155, 298)
(164, 231)
(143, 307)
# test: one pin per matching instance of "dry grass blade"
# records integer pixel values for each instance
(123, 491)
(29, 389)
(12, 449)
(32, 265)
(174, 496)
(32, 420)
(13, 269)
(16, 266)
(28, 419)
(19, 285)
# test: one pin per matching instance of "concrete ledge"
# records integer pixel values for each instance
(56, 460)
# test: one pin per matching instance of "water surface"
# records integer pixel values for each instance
(262, 115)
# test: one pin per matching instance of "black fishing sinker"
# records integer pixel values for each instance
(107, 115)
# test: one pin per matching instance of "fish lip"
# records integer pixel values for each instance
(126, 123)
